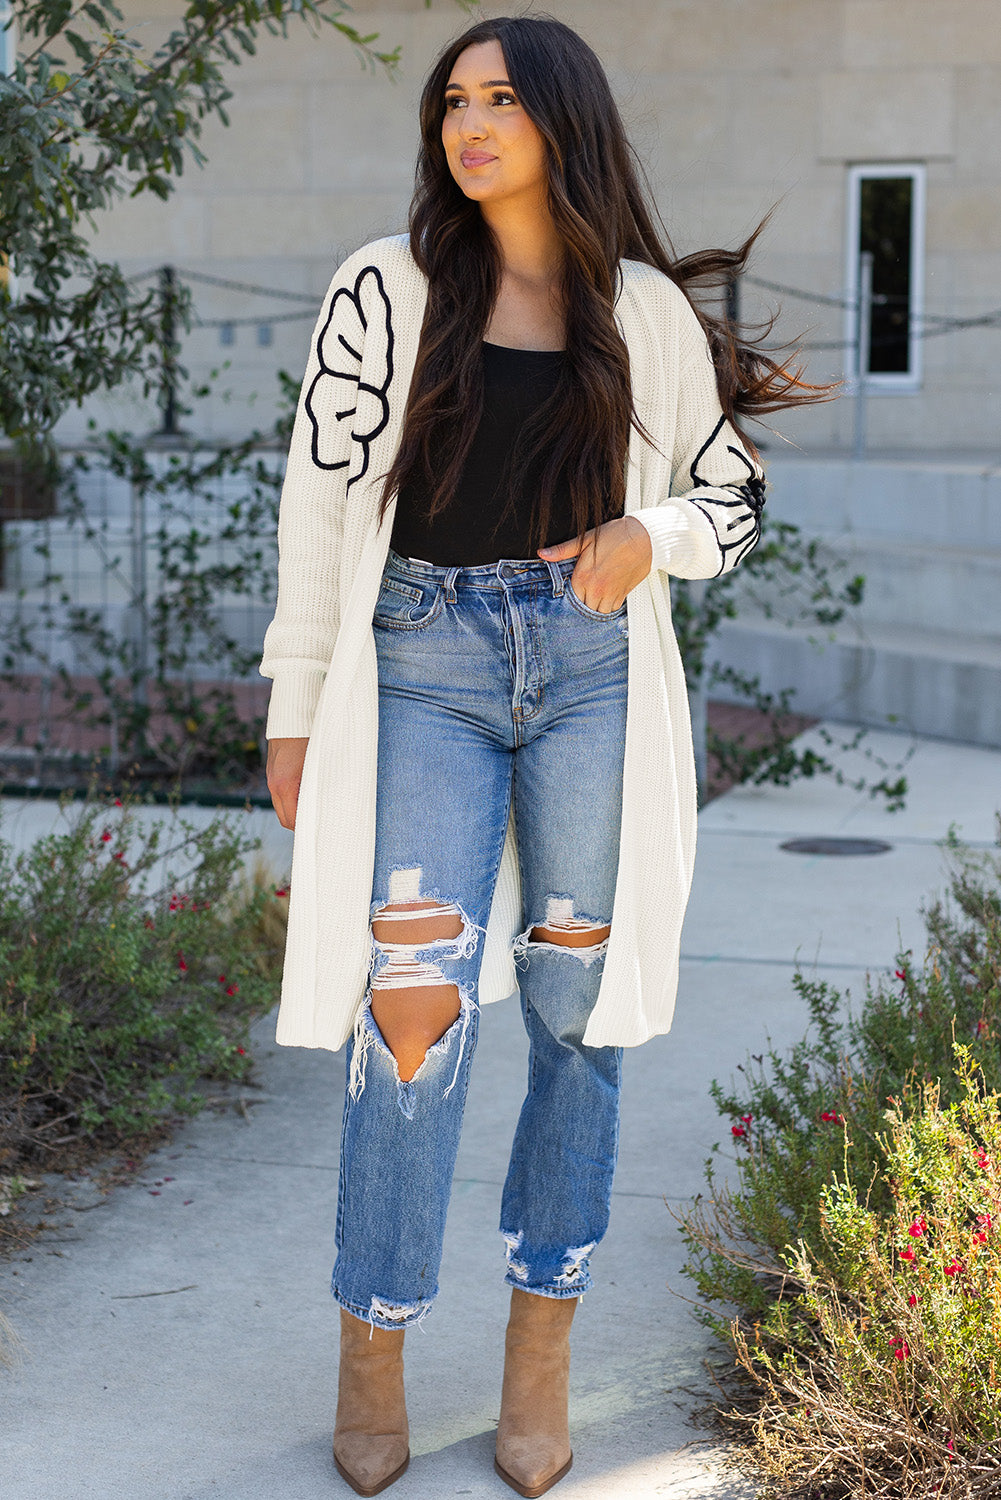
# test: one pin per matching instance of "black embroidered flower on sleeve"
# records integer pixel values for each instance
(738, 528)
(753, 491)
(357, 333)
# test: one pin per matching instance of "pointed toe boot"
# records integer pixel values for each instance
(371, 1433)
(533, 1434)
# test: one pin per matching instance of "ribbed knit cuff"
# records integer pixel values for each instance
(683, 539)
(294, 696)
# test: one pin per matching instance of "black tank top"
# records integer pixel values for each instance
(515, 384)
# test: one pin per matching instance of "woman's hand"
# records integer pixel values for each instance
(615, 557)
(284, 772)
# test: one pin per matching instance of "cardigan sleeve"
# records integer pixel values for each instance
(711, 517)
(299, 641)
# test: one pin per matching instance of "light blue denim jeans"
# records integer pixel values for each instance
(495, 682)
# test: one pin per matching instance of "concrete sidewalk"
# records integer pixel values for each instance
(180, 1338)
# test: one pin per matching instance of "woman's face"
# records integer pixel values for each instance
(494, 151)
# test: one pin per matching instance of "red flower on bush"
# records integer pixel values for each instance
(954, 1267)
(901, 1349)
(829, 1114)
(980, 1237)
(281, 891)
(737, 1130)
(912, 1299)
(985, 1221)
(242, 1051)
(181, 964)
(983, 1160)
(907, 1255)
(231, 989)
(187, 903)
(901, 974)
(106, 836)
(918, 1227)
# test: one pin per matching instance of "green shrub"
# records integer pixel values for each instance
(801, 1266)
(131, 963)
(894, 1392)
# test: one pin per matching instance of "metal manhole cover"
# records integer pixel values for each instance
(836, 846)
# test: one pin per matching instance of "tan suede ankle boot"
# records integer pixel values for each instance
(533, 1435)
(371, 1434)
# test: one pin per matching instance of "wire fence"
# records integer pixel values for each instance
(919, 323)
(134, 602)
(135, 595)
(923, 324)
(916, 324)
(912, 325)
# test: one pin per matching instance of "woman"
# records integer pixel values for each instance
(514, 427)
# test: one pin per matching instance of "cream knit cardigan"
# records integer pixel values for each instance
(700, 500)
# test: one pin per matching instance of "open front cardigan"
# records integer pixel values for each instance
(700, 499)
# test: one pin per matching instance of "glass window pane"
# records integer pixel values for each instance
(885, 231)
(8, 39)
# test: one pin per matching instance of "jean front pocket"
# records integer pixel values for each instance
(410, 605)
(587, 611)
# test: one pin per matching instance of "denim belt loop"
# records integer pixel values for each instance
(450, 594)
(556, 576)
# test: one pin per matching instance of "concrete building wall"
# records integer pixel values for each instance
(734, 105)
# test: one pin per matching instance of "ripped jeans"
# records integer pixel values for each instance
(496, 683)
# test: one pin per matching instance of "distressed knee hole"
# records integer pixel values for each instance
(413, 1007)
(444, 1010)
(582, 935)
(416, 923)
(568, 931)
(410, 920)
(412, 1003)
(561, 929)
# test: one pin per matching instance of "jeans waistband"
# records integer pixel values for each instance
(500, 574)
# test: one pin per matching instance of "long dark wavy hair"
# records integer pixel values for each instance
(601, 212)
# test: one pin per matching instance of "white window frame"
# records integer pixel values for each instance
(8, 39)
(8, 57)
(888, 382)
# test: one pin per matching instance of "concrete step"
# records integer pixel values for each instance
(925, 586)
(952, 504)
(928, 681)
(923, 650)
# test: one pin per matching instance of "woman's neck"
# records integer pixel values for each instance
(531, 251)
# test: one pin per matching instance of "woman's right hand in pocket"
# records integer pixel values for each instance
(284, 773)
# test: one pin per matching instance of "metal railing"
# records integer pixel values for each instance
(128, 589)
